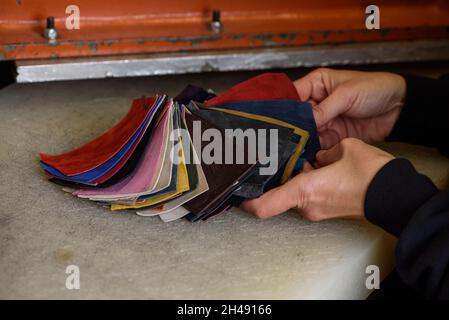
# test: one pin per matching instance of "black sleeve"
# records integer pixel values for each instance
(424, 119)
(406, 203)
(409, 206)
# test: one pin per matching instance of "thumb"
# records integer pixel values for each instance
(275, 201)
(327, 157)
(336, 103)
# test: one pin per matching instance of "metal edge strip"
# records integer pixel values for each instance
(232, 60)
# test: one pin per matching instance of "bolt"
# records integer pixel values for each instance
(216, 24)
(50, 22)
(50, 32)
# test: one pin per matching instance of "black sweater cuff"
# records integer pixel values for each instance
(423, 119)
(395, 193)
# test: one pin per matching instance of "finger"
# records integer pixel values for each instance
(313, 86)
(321, 82)
(327, 157)
(331, 107)
(328, 139)
(312, 103)
(273, 202)
(307, 167)
(304, 87)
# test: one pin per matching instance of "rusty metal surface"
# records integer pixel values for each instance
(113, 27)
(171, 63)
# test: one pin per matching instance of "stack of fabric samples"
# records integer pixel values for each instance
(153, 161)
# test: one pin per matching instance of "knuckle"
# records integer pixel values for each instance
(306, 192)
(347, 93)
(312, 216)
(319, 73)
(323, 70)
(260, 212)
(309, 198)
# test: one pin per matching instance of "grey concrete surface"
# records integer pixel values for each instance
(122, 255)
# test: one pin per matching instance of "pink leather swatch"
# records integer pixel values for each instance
(122, 162)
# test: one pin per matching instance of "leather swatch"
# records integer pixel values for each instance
(101, 149)
(144, 176)
(168, 209)
(267, 86)
(107, 169)
(193, 93)
(132, 167)
(254, 186)
(220, 177)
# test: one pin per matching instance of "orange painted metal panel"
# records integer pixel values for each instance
(110, 27)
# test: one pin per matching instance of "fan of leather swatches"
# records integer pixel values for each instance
(151, 164)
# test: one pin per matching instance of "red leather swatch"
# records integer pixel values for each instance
(267, 86)
(104, 147)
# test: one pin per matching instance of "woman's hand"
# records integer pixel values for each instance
(336, 189)
(364, 105)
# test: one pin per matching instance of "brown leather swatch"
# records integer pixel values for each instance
(222, 178)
